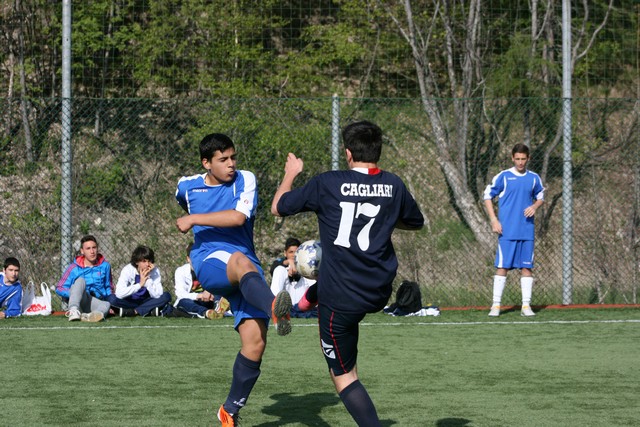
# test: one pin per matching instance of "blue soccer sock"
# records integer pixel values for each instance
(245, 375)
(256, 291)
(357, 401)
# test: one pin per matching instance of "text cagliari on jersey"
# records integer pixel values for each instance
(366, 190)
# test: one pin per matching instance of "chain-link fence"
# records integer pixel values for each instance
(128, 155)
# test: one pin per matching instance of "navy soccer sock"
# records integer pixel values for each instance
(245, 375)
(256, 291)
(359, 404)
(312, 293)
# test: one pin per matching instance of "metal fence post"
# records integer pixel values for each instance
(567, 184)
(66, 249)
(335, 132)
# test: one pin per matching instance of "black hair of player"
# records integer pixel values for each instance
(11, 261)
(520, 149)
(88, 238)
(189, 247)
(364, 140)
(142, 253)
(291, 241)
(214, 142)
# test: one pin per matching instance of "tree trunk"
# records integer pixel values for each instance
(24, 103)
(454, 169)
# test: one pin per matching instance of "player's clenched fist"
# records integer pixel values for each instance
(184, 224)
(294, 165)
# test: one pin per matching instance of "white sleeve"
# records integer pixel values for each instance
(154, 283)
(183, 283)
(126, 285)
(279, 279)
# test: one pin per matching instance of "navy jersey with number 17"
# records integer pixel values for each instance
(357, 212)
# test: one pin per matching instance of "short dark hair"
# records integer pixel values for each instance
(141, 253)
(11, 261)
(520, 148)
(291, 241)
(88, 238)
(214, 142)
(364, 140)
(189, 246)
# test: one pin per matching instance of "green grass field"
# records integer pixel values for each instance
(564, 367)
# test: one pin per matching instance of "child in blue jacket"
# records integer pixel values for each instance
(86, 284)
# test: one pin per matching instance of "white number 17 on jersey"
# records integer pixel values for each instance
(350, 211)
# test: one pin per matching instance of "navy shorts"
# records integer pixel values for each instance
(339, 339)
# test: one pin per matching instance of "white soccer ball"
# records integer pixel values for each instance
(307, 259)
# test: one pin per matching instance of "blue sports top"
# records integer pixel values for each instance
(97, 277)
(515, 193)
(10, 297)
(357, 212)
(197, 197)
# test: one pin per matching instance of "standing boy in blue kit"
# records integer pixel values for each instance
(520, 194)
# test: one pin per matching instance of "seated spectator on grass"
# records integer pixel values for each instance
(286, 277)
(10, 289)
(86, 284)
(191, 299)
(139, 288)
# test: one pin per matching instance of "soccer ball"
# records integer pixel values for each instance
(307, 259)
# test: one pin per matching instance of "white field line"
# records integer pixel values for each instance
(305, 325)
(490, 322)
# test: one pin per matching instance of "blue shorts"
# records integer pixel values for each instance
(514, 254)
(213, 278)
(339, 334)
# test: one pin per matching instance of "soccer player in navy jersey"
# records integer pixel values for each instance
(357, 211)
(520, 194)
(221, 206)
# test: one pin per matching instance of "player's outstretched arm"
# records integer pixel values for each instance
(292, 169)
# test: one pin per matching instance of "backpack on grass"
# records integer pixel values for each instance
(408, 299)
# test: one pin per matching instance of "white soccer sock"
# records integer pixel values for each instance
(527, 285)
(498, 288)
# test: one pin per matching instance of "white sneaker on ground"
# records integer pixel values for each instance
(94, 316)
(495, 311)
(526, 311)
(73, 314)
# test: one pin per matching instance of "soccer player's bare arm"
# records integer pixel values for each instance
(226, 218)
(496, 227)
(531, 210)
(292, 169)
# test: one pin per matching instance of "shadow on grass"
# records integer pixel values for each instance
(304, 410)
(453, 422)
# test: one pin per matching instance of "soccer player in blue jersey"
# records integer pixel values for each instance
(520, 193)
(358, 210)
(10, 289)
(221, 205)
